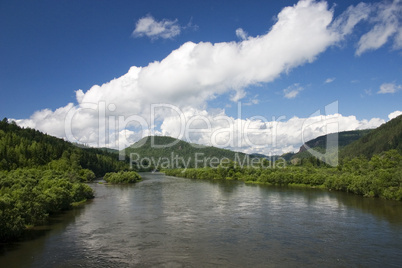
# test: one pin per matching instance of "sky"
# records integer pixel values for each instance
(252, 76)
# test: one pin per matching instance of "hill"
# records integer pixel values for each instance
(319, 144)
(167, 152)
(344, 138)
(384, 138)
(29, 148)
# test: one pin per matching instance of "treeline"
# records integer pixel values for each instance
(41, 175)
(25, 147)
(379, 176)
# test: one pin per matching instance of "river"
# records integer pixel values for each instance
(174, 222)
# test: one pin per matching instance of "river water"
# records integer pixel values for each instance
(174, 222)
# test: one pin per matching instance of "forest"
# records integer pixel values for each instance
(29, 148)
(379, 176)
(41, 175)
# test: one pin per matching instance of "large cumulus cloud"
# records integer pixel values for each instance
(114, 113)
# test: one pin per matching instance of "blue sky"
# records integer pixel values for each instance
(51, 49)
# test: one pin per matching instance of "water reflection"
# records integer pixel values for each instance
(175, 222)
(386, 210)
(22, 254)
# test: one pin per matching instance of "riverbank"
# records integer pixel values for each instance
(381, 176)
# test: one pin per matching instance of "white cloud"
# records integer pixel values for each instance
(345, 23)
(196, 73)
(368, 92)
(398, 39)
(148, 26)
(394, 114)
(388, 88)
(387, 24)
(291, 94)
(258, 134)
(252, 101)
(292, 91)
(329, 80)
(192, 75)
(240, 33)
(385, 18)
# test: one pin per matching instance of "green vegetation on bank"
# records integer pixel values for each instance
(29, 196)
(381, 176)
(41, 175)
(122, 177)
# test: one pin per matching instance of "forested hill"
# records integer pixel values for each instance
(29, 148)
(344, 138)
(386, 137)
(359, 142)
(175, 153)
(319, 144)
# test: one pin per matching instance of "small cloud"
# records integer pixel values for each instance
(238, 95)
(291, 94)
(240, 33)
(387, 26)
(190, 25)
(292, 91)
(252, 101)
(368, 92)
(389, 88)
(394, 114)
(255, 101)
(148, 26)
(329, 80)
(347, 21)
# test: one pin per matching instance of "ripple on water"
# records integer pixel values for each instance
(175, 222)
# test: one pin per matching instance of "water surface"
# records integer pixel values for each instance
(175, 222)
